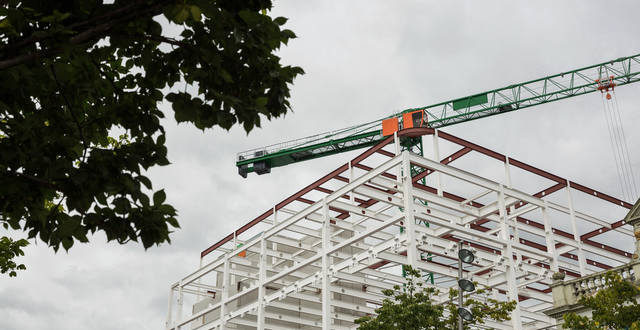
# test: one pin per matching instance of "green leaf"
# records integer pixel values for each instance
(173, 222)
(250, 17)
(289, 34)
(181, 16)
(5, 23)
(196, 13)
(261, 101)
(144, 200)
(101, 199)
(145, 181)
(67, 243)
(280, 20)
(226, 76)
(161, 139)
(122, 205)
(159, 197)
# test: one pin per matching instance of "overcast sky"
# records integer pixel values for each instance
(363, 60)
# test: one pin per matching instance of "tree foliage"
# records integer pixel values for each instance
(76, 75)
(10, 249)
(615, 306)
(411, 307)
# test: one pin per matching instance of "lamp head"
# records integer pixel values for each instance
(465, 314)
(466, 256)
(466, 285)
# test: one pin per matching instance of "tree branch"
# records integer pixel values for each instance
(37, 180)
(168, 40)
(21, 59)
(73, 116)
(90, 34)
(33, 38)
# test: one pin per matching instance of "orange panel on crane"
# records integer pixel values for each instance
(389, 126)
(413, 119)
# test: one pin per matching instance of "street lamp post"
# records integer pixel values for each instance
(460, 325)
(466, 256)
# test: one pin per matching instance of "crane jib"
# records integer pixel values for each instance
(621, 71)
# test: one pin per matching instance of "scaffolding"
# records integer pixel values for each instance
(321, 258)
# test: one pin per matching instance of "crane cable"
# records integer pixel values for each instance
(625, 146)
(619, 148)
(622, 154)
(614, 149)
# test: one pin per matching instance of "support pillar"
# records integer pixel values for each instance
(169, 322)
(409, 219)
(262, 277)
(512, 286)
(326, 276)
(633, 219)
(352, 193)
(507, 174)
(274, 246)
(180, 303)
(225, 294)
(396, 142)
(436, 157)
(582, 260)
(548, 234)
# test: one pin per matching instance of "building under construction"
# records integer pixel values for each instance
(321, 258)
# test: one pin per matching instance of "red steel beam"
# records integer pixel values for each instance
(543, 193)
(386, 153)
(600, 195)
(465, 150)
(602, 230)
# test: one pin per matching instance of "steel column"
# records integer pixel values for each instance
(409, 219)
(512, 291)
(168, 324)
(436, 157)
(549, 237)
(326, 279)
(225, 294)
(576, 235)
(262, 277)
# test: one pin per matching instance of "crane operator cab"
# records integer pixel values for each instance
(409, 120)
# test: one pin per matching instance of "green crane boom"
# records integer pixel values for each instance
(598, 77)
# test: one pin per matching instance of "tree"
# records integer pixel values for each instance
(411, 307)
(80, 85)
(615, 306)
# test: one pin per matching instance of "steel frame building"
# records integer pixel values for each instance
(320, 258)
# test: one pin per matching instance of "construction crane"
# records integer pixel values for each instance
(603, 77)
